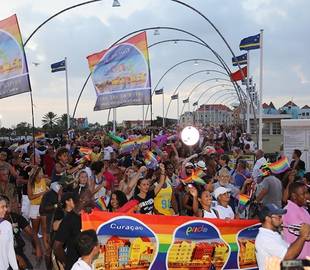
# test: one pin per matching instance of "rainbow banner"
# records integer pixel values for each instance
(130, 144)
(279, 166)
(121, 74)
(14, 76)
(155, 242)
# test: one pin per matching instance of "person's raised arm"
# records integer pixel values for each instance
(161, 179)
(194, 193)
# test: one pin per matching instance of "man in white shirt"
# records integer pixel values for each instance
(7, 253)
(269, 241)
(88, 248)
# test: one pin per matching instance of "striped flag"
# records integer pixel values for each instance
(59, 66)
(250, 43)
(173, 97)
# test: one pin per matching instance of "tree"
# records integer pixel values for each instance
(23, 128)
(49, 120)
(62, 121)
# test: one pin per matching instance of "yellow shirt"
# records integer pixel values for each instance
(162, 201)
(38, 188)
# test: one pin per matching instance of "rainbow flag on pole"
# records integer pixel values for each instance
(195, 177)
(128, 145)
(100, 203)
(279, 166)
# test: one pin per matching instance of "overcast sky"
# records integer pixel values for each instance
(91, 28)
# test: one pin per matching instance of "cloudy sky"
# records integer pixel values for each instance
(91, 28)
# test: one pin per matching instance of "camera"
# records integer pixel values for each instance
(294, 264)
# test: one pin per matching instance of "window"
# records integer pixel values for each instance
(266, 128)
(307, 114)
(276, 128)
(303, 114)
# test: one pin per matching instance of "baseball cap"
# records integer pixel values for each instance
(219, 191)
(269, 210)
(189, 164)
(201, 164)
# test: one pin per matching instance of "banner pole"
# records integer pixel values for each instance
(163, 98)
(143, 116)
(67, 95)
(178, 109)
(33, 129)
(114, 120)
(248, 94)
(260, 107)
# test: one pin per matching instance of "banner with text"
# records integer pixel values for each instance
(14, 78)
(160, 242)
(121, 74)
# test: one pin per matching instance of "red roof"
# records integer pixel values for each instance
(306, 107)
(219, 107)
(290, 103)
(265, 106)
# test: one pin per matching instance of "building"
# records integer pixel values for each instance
(123, 255)
(203, 253)
(247, 252)
(213, 114)
(135, 123)
(112, 247)
(304, 112)
(290, 108)
(140, 247)
(181, 252)
(269, 109)
(220, 253)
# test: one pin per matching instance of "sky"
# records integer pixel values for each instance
(85, 30)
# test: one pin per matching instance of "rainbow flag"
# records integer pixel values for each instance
(196, 176)
(150, 160)
(39, 135)
(279, 166)
(128, 207)
(115, 138)
(243, 199)
(128, 145)
(85, 150)
(100, 203)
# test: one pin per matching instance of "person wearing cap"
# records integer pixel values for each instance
(187, 166)
(201, 165)
(296, 214)
(269, 241)
(222, 195)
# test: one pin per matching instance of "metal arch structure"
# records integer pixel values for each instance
(178, 64)
(187, 77)
(225, 66)
(166, 28)
(205, 91)
(175, 1)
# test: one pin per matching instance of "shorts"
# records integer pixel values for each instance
(25, 207)
(34, 211)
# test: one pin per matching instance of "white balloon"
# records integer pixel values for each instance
(190, 135)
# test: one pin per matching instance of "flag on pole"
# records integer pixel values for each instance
(159, 91)
(195, 103)
(14, 76)
(59, 66)
(242, 59)
(185, 100)
(237, 76)
(250, 43)
(176, 96)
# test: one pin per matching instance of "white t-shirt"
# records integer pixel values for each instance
(269, 243)
(81, 265)
(107, 151)
(225, 212)
(207, 214)
(7, 253)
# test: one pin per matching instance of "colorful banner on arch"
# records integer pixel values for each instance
(14, 77)
(159, 242)
(121, 74)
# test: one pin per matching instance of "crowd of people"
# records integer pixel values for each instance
(45, 185)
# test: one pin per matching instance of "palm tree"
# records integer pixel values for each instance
(62, 121)
(49, 120)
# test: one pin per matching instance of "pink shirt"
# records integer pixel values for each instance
(296, 215)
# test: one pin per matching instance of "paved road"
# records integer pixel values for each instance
(28, 252)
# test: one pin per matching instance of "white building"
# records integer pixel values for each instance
(213, 114)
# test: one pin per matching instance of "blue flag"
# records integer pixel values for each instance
(59, 66)
(159, 91)
(242, 59)
(250, 43)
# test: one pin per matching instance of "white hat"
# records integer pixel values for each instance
(219, 191)
(189, 164)
(55, 186)
(201, 164)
